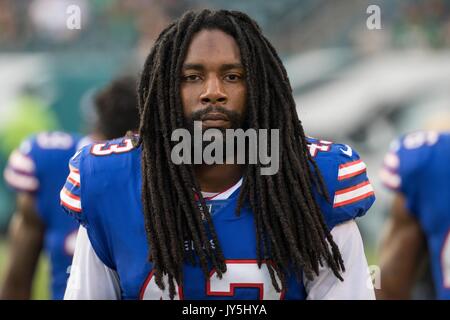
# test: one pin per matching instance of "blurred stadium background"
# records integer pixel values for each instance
(353, 85)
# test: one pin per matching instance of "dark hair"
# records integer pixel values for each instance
(291, 231)
(117, 108)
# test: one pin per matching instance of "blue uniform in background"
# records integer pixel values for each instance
(40, 166)
(103, 192)
(418, 166)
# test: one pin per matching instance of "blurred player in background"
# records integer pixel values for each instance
(417, 169)
(37, 170)
(154, 229)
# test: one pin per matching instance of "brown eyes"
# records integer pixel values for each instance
(233, 77)
(191, 78)
(229, 77)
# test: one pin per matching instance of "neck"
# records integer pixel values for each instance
(217, 178)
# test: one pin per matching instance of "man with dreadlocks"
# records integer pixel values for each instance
(154, 229)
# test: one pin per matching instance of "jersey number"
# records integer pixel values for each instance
(240, 274)
(323, 146)
(417, 139)
(104, 149)
(54, 140)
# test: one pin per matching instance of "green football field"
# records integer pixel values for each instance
(41, 281)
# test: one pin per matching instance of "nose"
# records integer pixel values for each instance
(213, 92)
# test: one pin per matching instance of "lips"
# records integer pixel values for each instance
(214, 116)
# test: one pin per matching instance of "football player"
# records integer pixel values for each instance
(152, 229)
(417, 170)
(37, 170)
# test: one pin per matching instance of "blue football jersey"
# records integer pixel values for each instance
(40, 166)
(418, 166)
(103, 192)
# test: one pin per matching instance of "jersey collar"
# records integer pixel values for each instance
(224, 194)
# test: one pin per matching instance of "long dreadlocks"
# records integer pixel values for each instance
(291, 232)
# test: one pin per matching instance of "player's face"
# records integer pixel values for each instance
(213, 86)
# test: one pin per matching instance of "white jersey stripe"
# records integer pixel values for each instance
(352, 169)
(70, 201)
(391, 160)
(20, 162)
(391, 180)
(353, 194)
(74, 178)
(20, 181)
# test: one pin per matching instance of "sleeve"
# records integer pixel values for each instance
(349, 187)
(389, 173)
(89, 278)
(70, 194)
(78, 204)
(20, 172)
(405, 162)
(357, 284)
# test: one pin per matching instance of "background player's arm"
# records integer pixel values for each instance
(26, 233)
(402, 246)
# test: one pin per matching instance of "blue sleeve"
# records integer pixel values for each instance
(80, 203)
(345, 176)
(404, 163)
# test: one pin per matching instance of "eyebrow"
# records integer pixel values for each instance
(200, 67)
(229, 66)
